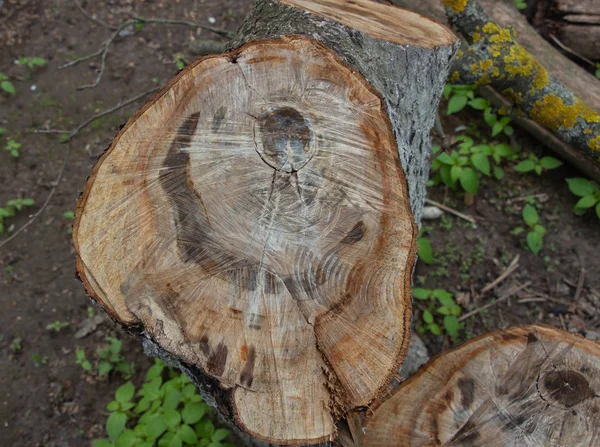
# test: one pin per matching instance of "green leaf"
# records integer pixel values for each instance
(503, 150)
(27, 202)
(8, 87)
(456, 104)
(421, 294)
(598, 210)
(489, 117)
(467, 142)
(498, 172)
(456, 309)
(443, 296)
(535, 241)
(142, 405)
(530, 215)
(445, 159)
(455, 172)
(219, 435)
(443, 310)
(481, 163)
(172, 418)
(525, 166)
(126, 439)
(125, 392)
(435, 329)
(115, 424)
(586, 202)
(424, 250)
(497, 128)
(102, 443)
(508, 130)
(113, 406)
(175, 441)
(188, 434)
(518, 230)
(445, 175)
(451, 325)
(447, 91)
(469, 180)
(581, 186)
(104, 367)
(427, 317)
(69, 215)
(172, 399)
(539, 229)
(205, 428)
(479, 103)
(550, 162)
(156, 426)
(538, 169)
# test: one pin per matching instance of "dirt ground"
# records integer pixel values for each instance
(52, 402)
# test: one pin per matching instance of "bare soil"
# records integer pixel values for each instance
(55, 403)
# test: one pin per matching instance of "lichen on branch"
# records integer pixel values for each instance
(495, 58)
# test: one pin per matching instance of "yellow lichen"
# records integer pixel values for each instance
(587, 131)
(497, 33)
(552, 113)
(455, 77)
(456, 5)
(515, 97)
(595, 143)
(476, 37)
(502, 111)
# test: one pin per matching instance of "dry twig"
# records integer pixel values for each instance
(493, 303)
(451, 211)
(580, 282)
(507, 271)
(91, 17)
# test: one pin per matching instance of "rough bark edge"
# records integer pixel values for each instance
(264, 22)
(495, 58)
(222, 398)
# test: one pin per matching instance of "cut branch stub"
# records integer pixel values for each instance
(254, 220)
(523, 386)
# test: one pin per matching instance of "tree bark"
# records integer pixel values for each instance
(255, 222)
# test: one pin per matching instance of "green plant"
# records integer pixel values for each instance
(535, 235)
(440, 302)
(521, 4)
(12, 146)
(180, 62)
(90, 312)
(17, 344)
(110, 358)
(7, 86)
(589, 191)
(70, 215)
(11, 208)
(57, 326)
(598, 70)
(38, 360)
(459, 96)
(32, 62)
(81, 359)
(424, 249)
(163, 412)
(465, 166)
(533, 163)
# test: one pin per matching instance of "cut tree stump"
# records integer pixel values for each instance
(526, 386)
(254, 223)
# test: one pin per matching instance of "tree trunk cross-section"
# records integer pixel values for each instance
(526, 386)
(254, 222)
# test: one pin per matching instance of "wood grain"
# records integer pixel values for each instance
(254, 220)
(525, 386)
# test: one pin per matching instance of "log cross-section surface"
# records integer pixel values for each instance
(526, 386)
(254, 220)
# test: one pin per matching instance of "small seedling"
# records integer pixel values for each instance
(112, 359)
(425, 251)
(440, 302)
(535, 235)
(11, 208)
(17, 344)
(90, 312)
(69, 215)
(180, 62)
(32, 63)
(498, 126)
(163, 412)
(38, 359)
(82, 360)
(57, 326)
(589, 191)
(6, 86)
(533, 163)
(12, 146)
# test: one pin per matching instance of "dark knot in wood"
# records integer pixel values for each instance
(287, 139)
(566, 387)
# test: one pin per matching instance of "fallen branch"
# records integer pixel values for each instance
(493, 303)
(72, 134)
